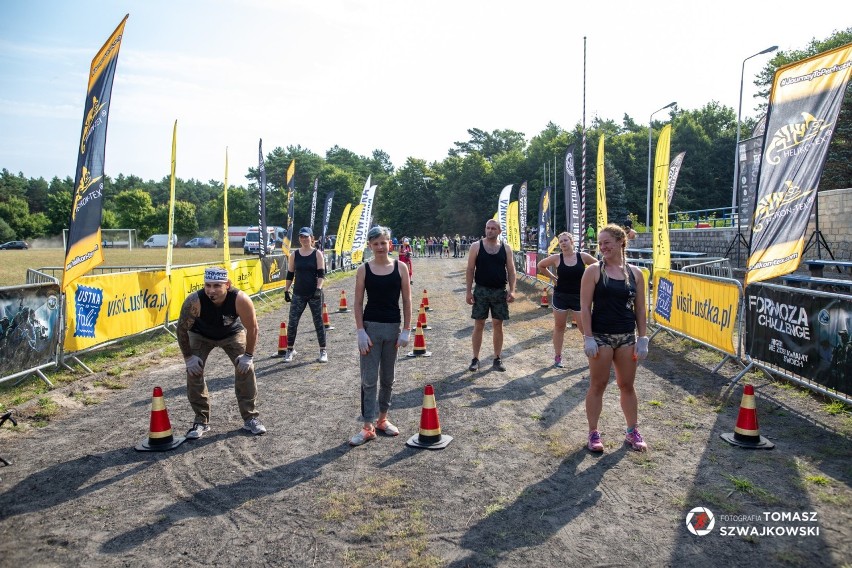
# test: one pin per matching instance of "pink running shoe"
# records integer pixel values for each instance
(595, 443)
(635, 440)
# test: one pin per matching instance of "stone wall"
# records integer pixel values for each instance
(835, 224)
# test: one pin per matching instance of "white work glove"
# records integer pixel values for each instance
(364, 342)
(404, 336)
(590, 347)
(245, 363)
(641, 349)
(194, 366)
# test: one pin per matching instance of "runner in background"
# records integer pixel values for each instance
(570, 265)
(611, 311)
(405, 252)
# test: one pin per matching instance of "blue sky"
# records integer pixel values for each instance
(406, 77)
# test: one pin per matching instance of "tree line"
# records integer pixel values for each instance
(454, 195)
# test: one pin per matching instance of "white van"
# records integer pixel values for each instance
(251, 244)
(159, 241)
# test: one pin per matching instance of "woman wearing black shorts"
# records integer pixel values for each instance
(612, 302)
(570, 266)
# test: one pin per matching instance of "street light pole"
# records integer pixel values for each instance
(735, 196)
(650, 130)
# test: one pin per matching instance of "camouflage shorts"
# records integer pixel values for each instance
(493, 299)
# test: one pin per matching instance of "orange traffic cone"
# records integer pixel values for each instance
(419, 344)
(343, 307)
(425, 301)
(421, 318)
(746, 433)
(282, 340)
(430, 436)
(545, 301)
(160, 436)
(325, 321)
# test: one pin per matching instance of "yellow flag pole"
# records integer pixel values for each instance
(225, 243)
(169, 246)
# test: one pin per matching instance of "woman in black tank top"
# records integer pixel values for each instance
(612, 302)
(377, 325)
(570, 266)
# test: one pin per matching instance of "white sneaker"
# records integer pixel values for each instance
(254, 426)
(197, 431)
(323, 358)
(288, 356)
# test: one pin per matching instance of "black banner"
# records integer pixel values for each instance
(544, 227)
(749, 154)
(29, 327)
(522, 213)
(801, 332)
(329, 199)
(83, 248)
(263, 239)
(314, 202)
(573, 214)
(274, 268)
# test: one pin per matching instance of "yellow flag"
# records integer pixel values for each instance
(513, 228)
(341, 230)
(171, 205)
(601, 183)
(660, 209)
(351, 226)
(226, 245)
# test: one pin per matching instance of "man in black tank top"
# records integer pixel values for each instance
(490, 265)
(219, 316)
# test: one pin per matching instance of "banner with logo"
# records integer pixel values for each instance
(697, 306)
(661, 247)
(503, 209)
(574, 215)
(359, 241)
(111, 306)
(804, 333)
(170, 246)
(544, 228)
(601, 187)
(522, 213)
(674, 170)
(274, 271)
(291, 207)
(351, 227)
(803, 107)
(531, 264)
(29, 327)
(513, 230)
(326, 216)
(83, 250)
(341, 230)
(261, 206)
(314, 202)
(748, 154)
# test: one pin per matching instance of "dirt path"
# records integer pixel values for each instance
(515, 487)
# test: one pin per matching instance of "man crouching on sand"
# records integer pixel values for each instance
(219, 316)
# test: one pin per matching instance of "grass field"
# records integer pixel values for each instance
(14, 263)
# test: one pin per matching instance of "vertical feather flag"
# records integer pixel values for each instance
(341, 230)
(352, 227)
(601, 186)
(83, 249)
(544, 229)
(291, 206)
(661, 249)
(503, 208)
(326, 217)
(261, 204)
(226, 245)
(804, 105)
(513, 230)
(314, 202)
(359, 241)
(674, 170)
(573, 218)
(170, 245)
(522, 213)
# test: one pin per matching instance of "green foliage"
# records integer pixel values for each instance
(135, 210)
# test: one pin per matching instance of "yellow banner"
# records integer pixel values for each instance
(341, 230)
(601, 185)
(513, 228)
(247, 275)
(351, 226)
(110, 306)
(660, 216)
(227, 245)
(170, 245)
(700, 308)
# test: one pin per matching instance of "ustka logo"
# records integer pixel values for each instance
(87, 308)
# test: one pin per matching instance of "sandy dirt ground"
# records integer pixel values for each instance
(516, 487)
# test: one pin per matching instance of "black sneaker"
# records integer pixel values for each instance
(498, 364)
(474, 365)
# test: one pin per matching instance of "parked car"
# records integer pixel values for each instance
(22, 245)
(159, 241)
(201, 242)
